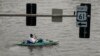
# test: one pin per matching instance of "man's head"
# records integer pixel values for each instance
(31, 35)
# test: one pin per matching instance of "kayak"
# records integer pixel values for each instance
(44, 43)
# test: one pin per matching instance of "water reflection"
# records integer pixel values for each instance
(32, 48)
(38, 50)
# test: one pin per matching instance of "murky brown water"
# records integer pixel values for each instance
(13, 29)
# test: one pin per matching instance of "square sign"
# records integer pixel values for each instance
(81, 17)
(57, 18)
(82, 24)
(81, 8)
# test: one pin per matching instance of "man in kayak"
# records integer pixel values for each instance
(32, 39)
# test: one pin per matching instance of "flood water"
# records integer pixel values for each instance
(14, 29)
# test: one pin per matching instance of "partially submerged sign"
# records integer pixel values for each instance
(31, 9)
(81, 17)
(57, 12)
